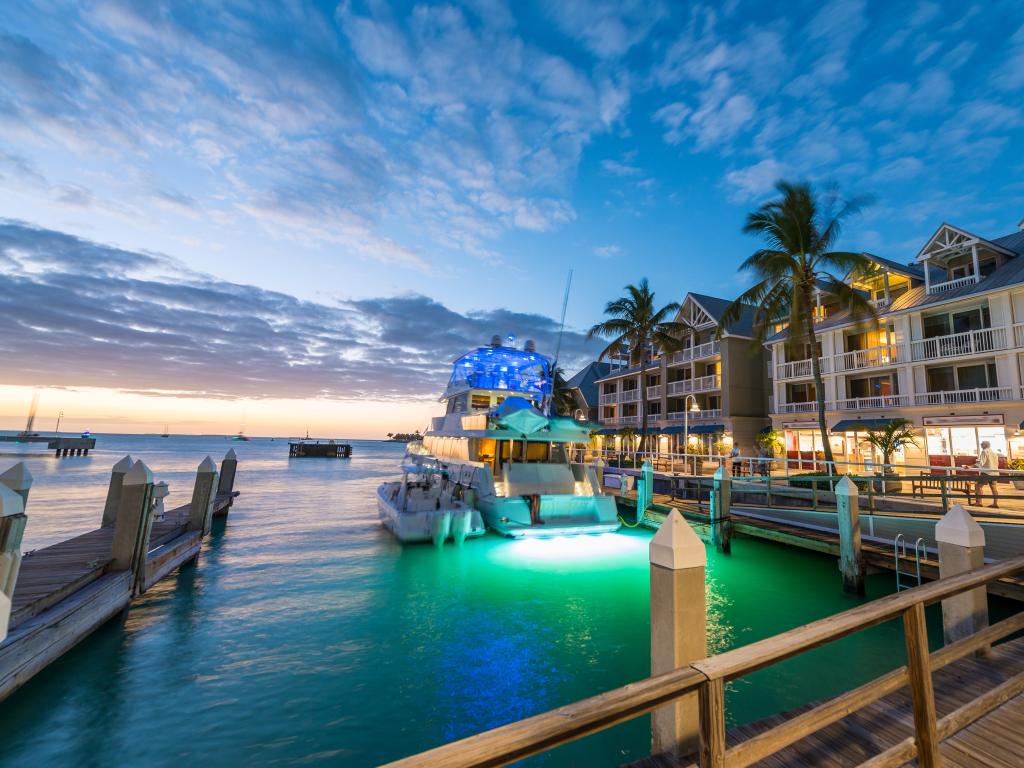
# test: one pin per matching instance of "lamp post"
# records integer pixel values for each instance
(686, 421)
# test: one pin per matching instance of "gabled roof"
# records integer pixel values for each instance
(716, 307)
(949, 237)
(586, 380)
(912, 271)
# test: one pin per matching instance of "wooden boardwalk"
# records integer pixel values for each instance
(996, 740)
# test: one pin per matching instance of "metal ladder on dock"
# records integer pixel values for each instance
(899, 550)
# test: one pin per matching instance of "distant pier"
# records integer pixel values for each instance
(53, 598)
(61, 446)
(313, 448)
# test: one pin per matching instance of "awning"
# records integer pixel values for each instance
(855, 425)
(707, 429)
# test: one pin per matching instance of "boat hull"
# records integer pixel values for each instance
(560, 515)
(432, 525)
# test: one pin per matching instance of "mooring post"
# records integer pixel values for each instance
(114, 491)
(133, 524)
(645, 489)
(19, 480)
(851, 558)
(962, 549)
(228, 467)
(678, 627)
(599, 472)
(721, 503)
(203, 497)
(12, 528)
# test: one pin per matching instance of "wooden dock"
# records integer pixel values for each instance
(61, 446)
(61, 593)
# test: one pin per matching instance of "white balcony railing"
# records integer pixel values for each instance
(951, 397)
(610, 399)
(629, 396)
(872, 403)
(950, 285)
(799, 369)
(707, 383)
(680, 387)
(707, 413)
(874, 357)
(960, 344)
(629, 420)
(698, 352)
(808, 407)
(654, 392)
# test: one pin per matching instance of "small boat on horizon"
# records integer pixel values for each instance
(241, 436)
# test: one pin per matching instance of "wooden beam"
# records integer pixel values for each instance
(922, 693)
(712, 724)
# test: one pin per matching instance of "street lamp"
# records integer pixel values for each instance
(693, 407)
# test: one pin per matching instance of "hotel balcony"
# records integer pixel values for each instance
(884, 402)
(653, 393)
(952, 397)
(874, 357)
(968, 343)
(699, 352)
(701, 384)
(872, 403)
(628, 421)
(809, 407)
(610, 399)
(801, 369)
(707, 413)
(951, 285)
(629, 396)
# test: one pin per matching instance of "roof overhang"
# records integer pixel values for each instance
(949, 241)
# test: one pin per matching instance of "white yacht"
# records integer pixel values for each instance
(507, 455)
(425, 506)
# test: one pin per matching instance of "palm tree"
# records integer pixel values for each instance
(897, 434)
(562, 399)
(799, 230)
(636, 327)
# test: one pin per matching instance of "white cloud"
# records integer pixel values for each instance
(608, 251)
(754, 181)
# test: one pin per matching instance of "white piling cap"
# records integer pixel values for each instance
(676, 546)
(139, 474)
(846, 487)
(123, 465)
(231, 455)
(958, 527)
(10, 502)
(207, 466)
(17, 478)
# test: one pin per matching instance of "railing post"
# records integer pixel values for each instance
(961, 549)
(678, 627)
(114, 491)
(851, 559)
(133, 524)
(204, 495)
(712, 724)
(12, 528)
(922, 693)
(944, 493)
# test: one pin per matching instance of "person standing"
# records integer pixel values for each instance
(988, 470)
(734, 460)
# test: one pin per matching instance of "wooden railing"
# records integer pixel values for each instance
(708, 677)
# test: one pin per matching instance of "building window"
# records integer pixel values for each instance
(654, 409)
(608, 412)
(964, 441)
(872, 386)
(948, 378)
(956, 322)
(801, 393)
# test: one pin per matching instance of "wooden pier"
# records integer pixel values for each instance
(58, 595)
(61, 446)
(323, 449)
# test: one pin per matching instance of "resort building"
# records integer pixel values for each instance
(945, 354)
(583, 387)
(714, 387)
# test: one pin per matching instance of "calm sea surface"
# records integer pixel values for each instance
(307, 636)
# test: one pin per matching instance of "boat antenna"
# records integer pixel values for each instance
(561, 325)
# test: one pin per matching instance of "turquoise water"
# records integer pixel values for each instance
(307, 636)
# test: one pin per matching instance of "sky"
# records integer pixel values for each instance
(287, 215)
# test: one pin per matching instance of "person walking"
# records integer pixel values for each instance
(734, 460)
(988, 470)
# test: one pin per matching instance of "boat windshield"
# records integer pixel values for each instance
(502, 368)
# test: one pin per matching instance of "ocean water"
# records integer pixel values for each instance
(305, 635)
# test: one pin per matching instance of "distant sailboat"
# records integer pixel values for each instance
(28, 431)
(241, 436)
(167, 431)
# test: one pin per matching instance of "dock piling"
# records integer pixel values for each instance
(961, 549)
(19, 480)
(678, 627)
(228, 467)
(12, 528)
(133, 524)
(851, 557)
(117, 474)
(720, 503)
(203, 496)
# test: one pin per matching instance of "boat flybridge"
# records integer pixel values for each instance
(513, 460)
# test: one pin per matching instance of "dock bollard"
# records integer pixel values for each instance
(962, 549)
(851, 557)
(12, 528)
(228, 467)
(133, 524)
(19, 480)
(678, 627)
(117, 474)
(204, 494)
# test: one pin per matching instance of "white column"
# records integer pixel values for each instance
(974, 259)
(927, 277)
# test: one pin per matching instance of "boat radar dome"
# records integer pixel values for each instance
(530, 346)
(495, 340)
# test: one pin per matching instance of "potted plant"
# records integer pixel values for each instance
(897, 434)
(770, 443)
(1017, 480)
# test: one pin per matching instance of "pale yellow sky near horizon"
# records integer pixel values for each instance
(111, 410)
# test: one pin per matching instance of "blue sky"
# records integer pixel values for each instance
(471, 153)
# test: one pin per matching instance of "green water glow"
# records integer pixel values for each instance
(306, 635)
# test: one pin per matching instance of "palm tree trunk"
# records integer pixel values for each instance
(819, 384)
(643, 404)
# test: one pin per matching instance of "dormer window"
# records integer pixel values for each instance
(954, 258)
